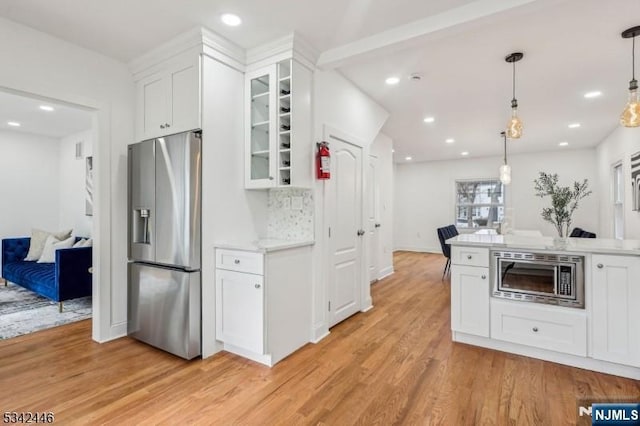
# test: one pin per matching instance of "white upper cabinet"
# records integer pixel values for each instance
(278, 141)
(616, 309)
(168, 99)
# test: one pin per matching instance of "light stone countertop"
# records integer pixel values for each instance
(576, 245)
(263, 245)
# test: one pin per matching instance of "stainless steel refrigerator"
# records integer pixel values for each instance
(164, 307)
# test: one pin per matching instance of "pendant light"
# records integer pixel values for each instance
(514, 127)
(505, 169)
(631, 115)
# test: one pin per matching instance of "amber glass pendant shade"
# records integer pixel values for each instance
(514, 127)
(631, 115)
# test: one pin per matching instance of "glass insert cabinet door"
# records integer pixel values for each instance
(261, 129)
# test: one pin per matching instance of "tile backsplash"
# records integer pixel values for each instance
(290, 214)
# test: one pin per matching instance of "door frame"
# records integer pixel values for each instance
(374, 187)
(364, 287)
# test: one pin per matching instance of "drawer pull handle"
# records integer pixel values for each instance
(600, 266)
(257, 286)
(237, 261)
(484, 277)
(469, 257)
(535, 329)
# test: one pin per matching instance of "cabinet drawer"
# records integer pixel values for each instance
(545, 327)
(470, 256)
(241, 261)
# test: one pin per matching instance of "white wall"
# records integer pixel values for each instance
(340, 105)
(37, 63)
(72, 186)
(617, 147)
(29, 171)
(425, 193)
(382, 148)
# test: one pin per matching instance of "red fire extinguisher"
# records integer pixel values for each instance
(323, 159)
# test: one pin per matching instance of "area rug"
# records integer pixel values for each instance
(23, 311)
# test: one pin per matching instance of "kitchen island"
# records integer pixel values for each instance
(586, 317)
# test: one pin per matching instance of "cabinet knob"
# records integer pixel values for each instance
(360, 232)
(237, 261)
(257, 286)
(600, 266)
(270, 177)
(469, 257)
(162, 126)
(168, 125)
(535, 329)
(377, 225)
(484, 277)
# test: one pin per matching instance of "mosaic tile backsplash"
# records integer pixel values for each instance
(285, 222)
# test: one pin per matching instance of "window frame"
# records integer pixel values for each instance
(617, 189)
(457, 205)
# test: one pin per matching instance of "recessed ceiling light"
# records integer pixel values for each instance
(46, 108)
(13, 123)
(464, 153)
(429, 119)
(231, 20)
(392, 80)
(450, 140)
(563, 144)
(408, 158)
(593, 94)
(574, 125)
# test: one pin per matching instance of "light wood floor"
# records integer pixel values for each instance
(395, 364)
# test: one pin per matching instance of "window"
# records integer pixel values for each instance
(479, 203)
(618, 202)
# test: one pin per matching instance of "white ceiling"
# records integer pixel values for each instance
(570, 47)
(63, 121)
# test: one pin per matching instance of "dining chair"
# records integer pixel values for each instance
(444, 234)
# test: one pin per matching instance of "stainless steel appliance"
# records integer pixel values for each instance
(539, 277)
(164, 307)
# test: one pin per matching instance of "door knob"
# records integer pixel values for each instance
(378, 225)
(600, 266)
(360, 232)
(257, 286)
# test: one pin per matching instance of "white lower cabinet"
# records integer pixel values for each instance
(616, 309)
(547, 327)
(263, 302)
(240, 311)
(470, 300)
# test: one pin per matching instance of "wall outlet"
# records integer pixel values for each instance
(296, 203)
(286, 203)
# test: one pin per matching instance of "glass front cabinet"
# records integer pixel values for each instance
(278, 131)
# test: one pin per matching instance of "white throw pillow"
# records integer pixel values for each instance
(51, 245)
(80, 243)
(39, 238)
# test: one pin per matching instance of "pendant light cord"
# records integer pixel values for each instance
(514, 80)
(504, 135)
(633, 58)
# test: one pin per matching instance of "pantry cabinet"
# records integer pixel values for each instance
(168, 99)
(278, 142)
(615, 311)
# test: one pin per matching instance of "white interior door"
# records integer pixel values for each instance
(373, 217)
(344, 213)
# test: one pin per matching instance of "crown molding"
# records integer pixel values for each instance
(197, 40)
(290, 46)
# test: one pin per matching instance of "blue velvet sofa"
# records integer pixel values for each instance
(67, 278)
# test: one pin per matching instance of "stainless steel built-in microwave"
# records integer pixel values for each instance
(539, 277)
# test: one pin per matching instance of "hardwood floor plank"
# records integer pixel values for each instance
(395, 364)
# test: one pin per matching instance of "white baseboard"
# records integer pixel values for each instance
(262, 359)
(385, 272)
(547, 355)
(320, 337)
